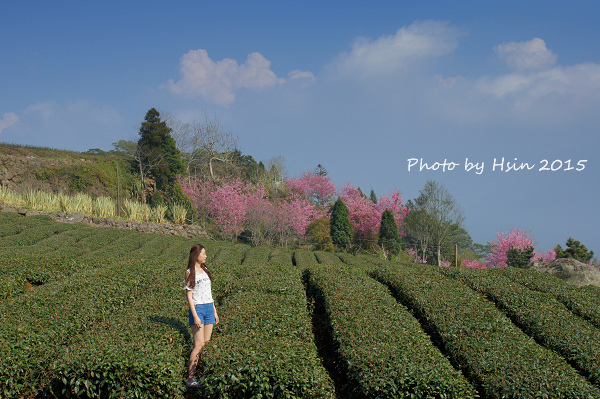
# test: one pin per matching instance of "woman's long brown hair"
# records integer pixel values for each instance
(190, 280)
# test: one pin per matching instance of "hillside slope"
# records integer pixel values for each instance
(104, 312)
(25, 168)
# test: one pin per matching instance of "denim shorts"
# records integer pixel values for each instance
(206, 313)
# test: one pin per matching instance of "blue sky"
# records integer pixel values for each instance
(359, 87)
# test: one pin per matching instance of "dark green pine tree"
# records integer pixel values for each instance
(341, 228)
(373, 196)
(389, 238)
(575, 250)
(518, 257)
(159, 150)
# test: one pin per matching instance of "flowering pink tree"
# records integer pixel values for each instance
(415, 257)
(473, 263)
(236, 205)
(515, 238)
(365, 215)
(543, 256)
(518, 239)
(292, 217)
(229, 206)
(317, 189)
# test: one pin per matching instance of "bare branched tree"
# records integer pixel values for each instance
(146, 162)
(277, 169)
(203, 142)
(441, 213)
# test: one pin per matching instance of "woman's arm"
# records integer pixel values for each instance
(216, 315)
(190, 298)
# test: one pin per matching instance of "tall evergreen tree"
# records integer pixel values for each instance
(320, 170)
(157, 148)
(341, 227)
(389, 238)
(518, 258)
(575, 250)
(373, 196)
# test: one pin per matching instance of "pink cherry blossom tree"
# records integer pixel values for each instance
(473, 263)
(543, 256)
(515, 238)
(365, 215)
(317, 188)
(235, 206)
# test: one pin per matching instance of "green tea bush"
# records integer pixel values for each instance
(126, 242)
(584, 301)
(7, 230)
(38, 326)
(382, 349)
(103, 237)
(33, 234)
(256, 256)
(263, 346)
(18, 270)
(303, 258)
(65, 243)
(328, 257)
(541, 316)
(496, 356)
(281, 256)
(137, 352)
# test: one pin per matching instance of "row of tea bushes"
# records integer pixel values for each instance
(136, 352)
(142, 348)
(97, 325)
(304, 259)
(499, 358)
(38, 326)
(34, 231)
(42, 250)
(541, 316)
(263, 346)
(327, 257)
(380, 350)
(584, 301)
(282, 256)
(18, 272)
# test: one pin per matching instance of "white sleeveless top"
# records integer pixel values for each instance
(201, 293)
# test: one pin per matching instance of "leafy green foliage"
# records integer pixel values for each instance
(373, 196)
(381, 349)
(175, 195)
(159, 149)
(98, 177)
(341, 228)
(105, 316)
(319, 233)
(584, 301)
(544, 318)
(389, 239)
(265, 348)
(575, 250)
(518, 258)
(492, 352)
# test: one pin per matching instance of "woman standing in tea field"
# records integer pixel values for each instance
(202, 313)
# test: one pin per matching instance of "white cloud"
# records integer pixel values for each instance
(447, 83)
(8, 119)
(297, 74)
(218, 81)
(573, 82)
(410, 45)
(531, 55)
(305, 77)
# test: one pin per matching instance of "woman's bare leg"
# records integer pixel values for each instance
(199, 341)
